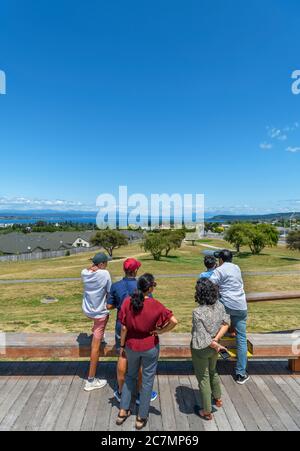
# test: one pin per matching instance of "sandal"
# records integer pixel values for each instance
(121, 420)
(200, 413)
(140, 423)
(218, 403)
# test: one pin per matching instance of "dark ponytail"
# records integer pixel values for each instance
(144, 284)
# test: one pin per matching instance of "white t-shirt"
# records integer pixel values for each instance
(229, 279)
(97, 286)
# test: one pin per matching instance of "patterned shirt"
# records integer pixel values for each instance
(207, 321)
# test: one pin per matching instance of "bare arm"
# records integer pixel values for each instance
(123, 336)
(224, 329)
(215, 343)
(167, 328)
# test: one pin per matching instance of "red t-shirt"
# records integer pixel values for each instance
(141, 324)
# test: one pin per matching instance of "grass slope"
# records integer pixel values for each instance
(21, 309)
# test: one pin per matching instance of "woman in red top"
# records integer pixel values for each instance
(143, 319)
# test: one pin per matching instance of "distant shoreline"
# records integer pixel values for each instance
(53, 217)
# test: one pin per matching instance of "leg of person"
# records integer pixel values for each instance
(215, 382)
(149, 365)
(121, 367)
(140, 380)
(201, 367)
(95, 354)
(121, 372)
(154, 394)
(98, 332)
(239, 320)
(134, 363)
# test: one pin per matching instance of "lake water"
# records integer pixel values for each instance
(50, 218)
(56, 217)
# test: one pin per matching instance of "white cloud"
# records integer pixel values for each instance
(274, 133)
(266, 146)
(263, 207)
(22, 203)
(293, 149)
(282, 137)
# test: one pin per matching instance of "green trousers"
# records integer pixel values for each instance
(205, 366)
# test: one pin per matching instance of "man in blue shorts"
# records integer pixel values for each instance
(119, 292)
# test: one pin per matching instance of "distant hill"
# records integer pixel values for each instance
(268, 217)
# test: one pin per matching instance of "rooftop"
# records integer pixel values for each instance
(18, 243)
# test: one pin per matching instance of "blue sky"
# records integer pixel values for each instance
(162, 96)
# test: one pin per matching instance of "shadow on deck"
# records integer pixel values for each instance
(50, 396)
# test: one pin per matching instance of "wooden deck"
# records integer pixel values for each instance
(50, 396)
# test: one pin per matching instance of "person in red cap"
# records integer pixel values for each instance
(118, 293)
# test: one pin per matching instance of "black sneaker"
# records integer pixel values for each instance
(241, 380)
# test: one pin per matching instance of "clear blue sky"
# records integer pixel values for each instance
(162, 96)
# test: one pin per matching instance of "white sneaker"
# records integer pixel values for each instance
(95, 385)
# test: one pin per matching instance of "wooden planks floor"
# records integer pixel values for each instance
(50, 396)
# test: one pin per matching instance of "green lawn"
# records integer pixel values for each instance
(185, 261)
(21, 309)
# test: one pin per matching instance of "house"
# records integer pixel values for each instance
(73, 239)
(19, 243)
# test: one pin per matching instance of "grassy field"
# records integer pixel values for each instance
(21, 309)
(188, 260)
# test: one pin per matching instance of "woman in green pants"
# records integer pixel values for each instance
(210, 324)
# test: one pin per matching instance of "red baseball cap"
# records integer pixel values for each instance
(131, 264)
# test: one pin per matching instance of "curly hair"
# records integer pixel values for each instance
(207, 293)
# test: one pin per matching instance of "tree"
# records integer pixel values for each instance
(156, 244)
(293, 240)
(173, 239)
(237, 236)
(260, 236)
(109, 240)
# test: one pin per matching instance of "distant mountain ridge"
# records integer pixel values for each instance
(262, 217)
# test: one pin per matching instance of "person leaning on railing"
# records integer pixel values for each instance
(210, 324)
(228, 278)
